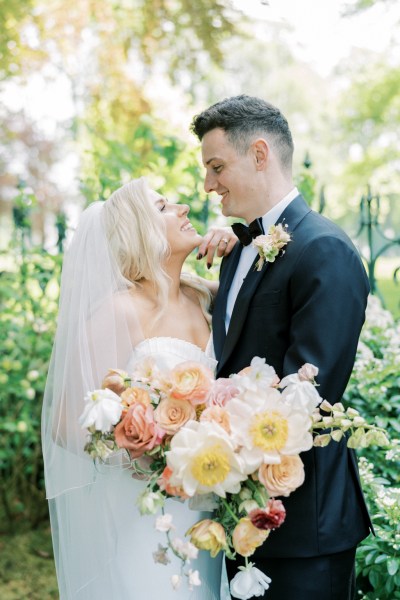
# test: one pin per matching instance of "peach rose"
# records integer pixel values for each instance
(190, 381)
(137, 431)
(246, 537)
(115, 381)
(164, 484)
(218, 415)
(133, 395)
(282, 479)
(171, 414)
(208, 535)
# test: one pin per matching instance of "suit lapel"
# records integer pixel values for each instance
(219, 311)
(291, 216)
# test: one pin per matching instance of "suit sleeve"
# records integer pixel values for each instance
(329, 290)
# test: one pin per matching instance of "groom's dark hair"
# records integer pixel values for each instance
(244, 117)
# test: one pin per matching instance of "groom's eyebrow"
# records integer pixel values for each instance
(211, 159)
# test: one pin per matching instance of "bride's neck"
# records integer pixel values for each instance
(174, 270)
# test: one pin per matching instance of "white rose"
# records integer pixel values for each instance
(102, 410)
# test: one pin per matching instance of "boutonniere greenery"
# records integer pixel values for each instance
(271, 245)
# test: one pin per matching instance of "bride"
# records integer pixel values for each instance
(123, 297)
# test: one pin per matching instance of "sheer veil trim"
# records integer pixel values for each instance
(97, 329)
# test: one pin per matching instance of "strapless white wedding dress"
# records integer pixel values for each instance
(132, 574)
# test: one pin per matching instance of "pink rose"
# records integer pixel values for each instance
(190, 381)
(270, 517)
(222, 390)
(137, 431)
(282, 479)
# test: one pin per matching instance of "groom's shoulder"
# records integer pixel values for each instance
(315, 226)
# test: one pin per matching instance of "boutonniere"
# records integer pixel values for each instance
(270, 246)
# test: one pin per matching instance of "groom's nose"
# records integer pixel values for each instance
(210, 183)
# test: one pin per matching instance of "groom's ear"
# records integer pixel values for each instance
(261, 152)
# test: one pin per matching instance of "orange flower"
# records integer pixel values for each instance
(191, 381)
(246, 537)
(165, 485)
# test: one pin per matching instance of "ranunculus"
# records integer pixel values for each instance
(137, 431)
(221, 391)
(190, 381)
(208, 535)
(270, 517)
(282, 479)
(133, 395)
(102, 410)
(164, 484)
(115, 381)
(218, 415)
(171, 414)
(250, 582)
(246, 537)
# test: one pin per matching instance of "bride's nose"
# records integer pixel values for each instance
(183, 209)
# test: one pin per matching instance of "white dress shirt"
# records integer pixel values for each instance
(249, 253)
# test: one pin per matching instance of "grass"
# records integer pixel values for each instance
(26, 566)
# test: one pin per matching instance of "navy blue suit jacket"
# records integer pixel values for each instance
(307, 306)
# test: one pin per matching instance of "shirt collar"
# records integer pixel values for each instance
(271, 217)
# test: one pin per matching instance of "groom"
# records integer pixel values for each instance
(306, 306)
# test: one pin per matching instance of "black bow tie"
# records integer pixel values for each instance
(247, 234)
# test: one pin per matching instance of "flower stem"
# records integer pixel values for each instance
(229, 510)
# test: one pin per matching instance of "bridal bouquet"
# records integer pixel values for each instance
(229, 445)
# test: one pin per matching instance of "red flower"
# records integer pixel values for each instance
(270, 517)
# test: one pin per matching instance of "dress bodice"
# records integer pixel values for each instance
(169, 351)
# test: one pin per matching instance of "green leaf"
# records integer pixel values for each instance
(393, 566)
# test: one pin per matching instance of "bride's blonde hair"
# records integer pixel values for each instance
(138, 241)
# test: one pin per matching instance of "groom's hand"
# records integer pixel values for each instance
(219, 240)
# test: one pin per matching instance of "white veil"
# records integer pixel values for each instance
(97, 330)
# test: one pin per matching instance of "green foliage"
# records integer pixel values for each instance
(171, 166)
(13, 15)
(378, 559)
(374, 390)
(28, 294)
